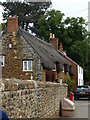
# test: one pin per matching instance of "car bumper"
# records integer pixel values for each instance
(81, 95)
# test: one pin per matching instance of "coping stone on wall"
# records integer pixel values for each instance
(17, 84)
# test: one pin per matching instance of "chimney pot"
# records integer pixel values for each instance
(61, 47)
(53, 35)
(50, 35)
(60, 44)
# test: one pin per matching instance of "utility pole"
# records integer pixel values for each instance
(89, 16)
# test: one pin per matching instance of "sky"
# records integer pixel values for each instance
(71, 8)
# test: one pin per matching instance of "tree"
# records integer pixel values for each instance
(27, 13)
(71, 32)
(87, 66)
(76, 34)
(52, 21)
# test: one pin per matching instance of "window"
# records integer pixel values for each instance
(27, 65)
(79, 81)
(2, 57)
(79, 69)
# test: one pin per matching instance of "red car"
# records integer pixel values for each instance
(82, 92)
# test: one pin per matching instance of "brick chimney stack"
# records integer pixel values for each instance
(53, 40)
(61, 47)
(12, 24)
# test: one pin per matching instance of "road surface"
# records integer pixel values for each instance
(82, 108)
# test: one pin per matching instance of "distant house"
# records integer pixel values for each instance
(80, 76)
(25, 56)
(78, 71)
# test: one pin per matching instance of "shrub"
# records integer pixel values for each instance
(71, 84)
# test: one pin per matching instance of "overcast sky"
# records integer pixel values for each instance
(71, 8)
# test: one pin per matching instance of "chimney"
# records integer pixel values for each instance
(53, 40)
(61, 47)
(12, 24)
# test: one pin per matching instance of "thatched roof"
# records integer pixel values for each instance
(49, 55)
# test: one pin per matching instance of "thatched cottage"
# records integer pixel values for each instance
(25, 56)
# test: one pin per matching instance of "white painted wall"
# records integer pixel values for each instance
(89, 16)
(80, 76)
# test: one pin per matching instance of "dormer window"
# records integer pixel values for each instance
(2, 60)
(27, 65)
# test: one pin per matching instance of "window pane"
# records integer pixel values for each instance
(2, 60)
(25, 65)
(79, 69)
(30, 65)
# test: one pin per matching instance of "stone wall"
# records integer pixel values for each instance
(28, 99)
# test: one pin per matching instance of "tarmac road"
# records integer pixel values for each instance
(82, 108)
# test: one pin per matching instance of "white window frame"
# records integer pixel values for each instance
(2, 60)
(27, 62)
(81, 71)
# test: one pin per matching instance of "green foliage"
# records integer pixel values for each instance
(89, 82)
(2, 26)
(71, 32)
(50, 22)
(76, 33)
(71, 84)
(87, 66)
(26, 12)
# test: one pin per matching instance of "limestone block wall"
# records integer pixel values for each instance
(30, 99)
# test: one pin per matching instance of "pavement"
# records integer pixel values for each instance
(82, 110)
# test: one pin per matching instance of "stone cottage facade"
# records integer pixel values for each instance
(26, 57)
